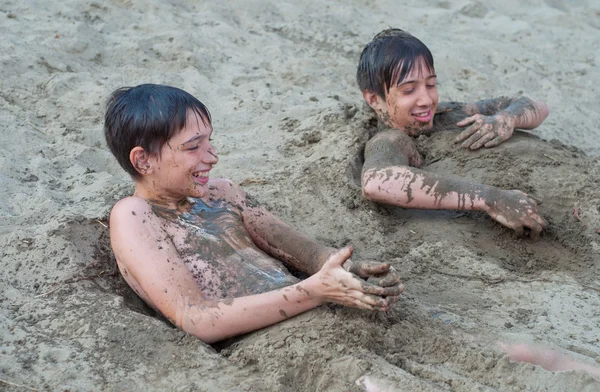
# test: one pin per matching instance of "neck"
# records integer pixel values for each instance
(177, 204)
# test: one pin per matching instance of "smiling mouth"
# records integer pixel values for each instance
(423, 116)
(202, 174)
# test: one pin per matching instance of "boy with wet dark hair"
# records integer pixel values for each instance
(201, 251)
(397, 78)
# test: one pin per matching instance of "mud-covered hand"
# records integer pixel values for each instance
(516, 210)
(485, 131)
(385, 274)
(377, 273)
(342, 287)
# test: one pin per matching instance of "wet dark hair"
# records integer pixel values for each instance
(388, 58)
(147, 115)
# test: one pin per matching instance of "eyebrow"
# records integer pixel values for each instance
(414, 81)
(192, 139)
(196, 138)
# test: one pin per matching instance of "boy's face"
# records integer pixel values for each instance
(411, 104)
(185, 161)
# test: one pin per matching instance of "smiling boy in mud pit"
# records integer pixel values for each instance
(398, 81)
(201, 251)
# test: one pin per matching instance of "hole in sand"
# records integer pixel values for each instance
(91, 240)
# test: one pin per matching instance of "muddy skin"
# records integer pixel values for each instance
(301, 254)
(521, 108)
(391, 147)
(435, 184)
(384, 119)
(412, 130)
(387, 150)
(488, 107)
(493, 121)
(514, 207)
(216, 248)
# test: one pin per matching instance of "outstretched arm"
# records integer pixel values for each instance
(386, 178)
(493, 121)
(165, 282)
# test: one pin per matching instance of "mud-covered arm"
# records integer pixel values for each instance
(150, 258)
(386, 178)
(288, 245)
(493, 121)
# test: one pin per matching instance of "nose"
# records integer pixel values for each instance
(211, 156)
(424, 99)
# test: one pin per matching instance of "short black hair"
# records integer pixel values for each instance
(388, 58)
(147, 115)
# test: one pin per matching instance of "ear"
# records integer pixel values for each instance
(374, 101)
(140, 160)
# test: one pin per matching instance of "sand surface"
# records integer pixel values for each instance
(289, 124)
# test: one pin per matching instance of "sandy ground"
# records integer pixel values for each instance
(289, 125)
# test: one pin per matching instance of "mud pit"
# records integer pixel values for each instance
(289, 127)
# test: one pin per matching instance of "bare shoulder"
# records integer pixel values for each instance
(132, 222)
(130, 213)
(390, 135)
(129, 206)
(225, 189)
(391, 148)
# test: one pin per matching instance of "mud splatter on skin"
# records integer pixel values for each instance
(250, 201)
(216, 248)
(296, 250)
(387, 150)
(283, 313)
(391, 148)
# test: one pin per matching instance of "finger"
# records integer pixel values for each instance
(519, 229)
(543, 222)
(374, 300)
(537, 200)
(467, 132)
(390, 279)
(357, 303)
(466, 121)
(364, 269)
(483, 130)
(535, 228)
(479, 143)
(392, 300)
(369, 288)
(338, 258)
(504, 222)
(494, 142)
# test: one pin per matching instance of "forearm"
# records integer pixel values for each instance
(413, 188)
(528, 114)
(212, 321)
(288, 245)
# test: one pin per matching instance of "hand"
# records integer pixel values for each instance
(515, 210)
(381, 274)
(337, 285)
(485, 131)
(377, 273)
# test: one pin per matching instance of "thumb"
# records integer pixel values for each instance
(338, 258)
(465, 121)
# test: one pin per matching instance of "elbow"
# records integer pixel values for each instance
(206, 336)
(543, 110)
(369, 189)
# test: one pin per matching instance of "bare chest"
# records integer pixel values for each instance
(218, 251)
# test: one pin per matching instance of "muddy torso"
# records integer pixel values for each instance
(214, 245)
